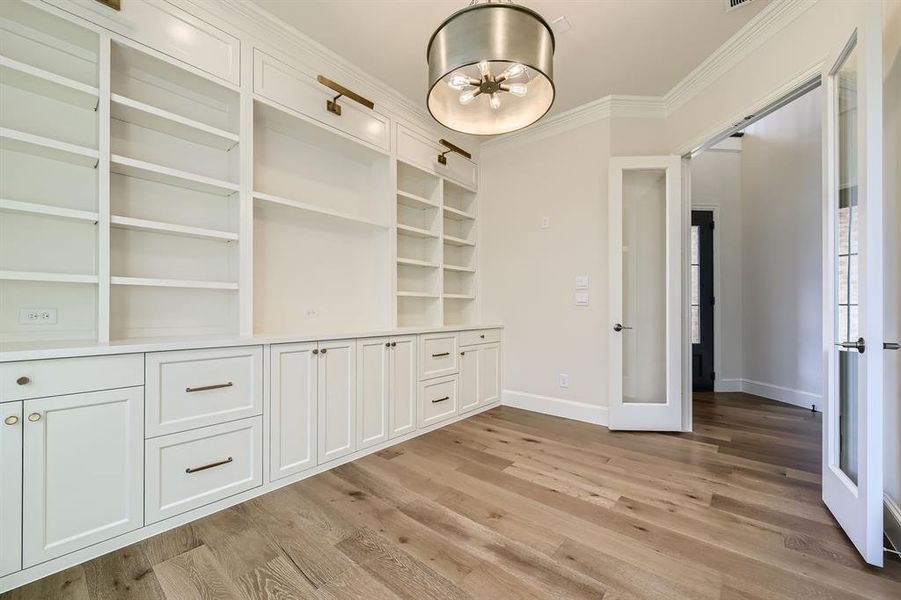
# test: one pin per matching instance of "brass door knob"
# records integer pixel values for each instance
(34, 417)
(23, 380)
(11, 420)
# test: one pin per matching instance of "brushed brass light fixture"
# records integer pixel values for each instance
(491, 68)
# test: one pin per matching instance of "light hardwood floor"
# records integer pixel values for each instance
(512, 504)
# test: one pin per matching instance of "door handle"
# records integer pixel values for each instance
(860, 345)
(619, 327)
(891, 346)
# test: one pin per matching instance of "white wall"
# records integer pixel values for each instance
(716, 183)
(528, 273)
(781, 249)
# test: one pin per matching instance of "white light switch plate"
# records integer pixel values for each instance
(582, 282)
(545, 222)
(581, 298)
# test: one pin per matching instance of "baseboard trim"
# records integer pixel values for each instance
(558, 407)
(892, 521)
(727, 385)
(782, 394)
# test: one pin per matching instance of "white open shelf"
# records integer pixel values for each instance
(153, 172)
(45, 83)
(313, 208)
(414, 201)
(158, 119)
(47, 277)
(415, 231)
(455, 241)
(460, 296)
(417, 263)
(170, 228)
(458, 269)
(405, 294)
(452, 213)
(173, 283)
(47, 210)
(19, 141)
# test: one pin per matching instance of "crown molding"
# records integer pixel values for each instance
(618, 107)
(763, 26)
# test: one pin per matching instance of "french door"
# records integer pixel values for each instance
(852, 284)
(646, 217)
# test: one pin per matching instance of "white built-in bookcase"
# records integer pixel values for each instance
(127, 192)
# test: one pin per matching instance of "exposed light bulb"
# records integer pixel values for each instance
(494, 101)
(458, 81)
(517, 89)
(484, 68)
(514, 70)
(467, 96)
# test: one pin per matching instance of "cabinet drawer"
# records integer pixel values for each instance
(480, 336)
(439, 355)
(194, 468)
(194, 388)
(59, 376)
(418, 150)
(298, 91)
(439, 400)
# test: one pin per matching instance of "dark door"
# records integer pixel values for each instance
(702, 300)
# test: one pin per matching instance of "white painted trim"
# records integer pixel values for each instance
(782, 394)
(733, 384)
(892, 521)
(558, 407)
(36, 572)
(767, 23)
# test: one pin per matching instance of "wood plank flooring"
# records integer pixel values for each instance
(513, 504)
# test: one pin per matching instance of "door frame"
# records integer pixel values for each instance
(644, 416)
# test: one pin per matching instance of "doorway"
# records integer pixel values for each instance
(702, 301)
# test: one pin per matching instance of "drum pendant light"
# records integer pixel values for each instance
(491, 69)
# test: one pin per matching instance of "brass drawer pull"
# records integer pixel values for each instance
(440, 354)
(13, 420)
(332, 105)
(209, 466)
(23, 380)
(207, 388)
(34, 417)
(440, 400)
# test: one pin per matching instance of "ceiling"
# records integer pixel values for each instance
(640, 47)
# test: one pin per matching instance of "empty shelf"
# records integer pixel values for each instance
(316, 209)
(416, 263)
(145, 170)
(183, 230)
(45, 83)
(33, 208)
(173, 283)
(455, 241)
(416, 295)
(453, 213)
(47, 277)
(414, 201)
(459, 296)
(459, 269)
(19, 141)
(415, 231)
(151, 117)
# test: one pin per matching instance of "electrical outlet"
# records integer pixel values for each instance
(311, 313)
(564, 380)
(37, 316)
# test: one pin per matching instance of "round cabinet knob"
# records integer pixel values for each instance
(482, 336)
(387, 344)
(393, 344)
(23, 380)
(34, 417)
(323, 351)
(11, 420)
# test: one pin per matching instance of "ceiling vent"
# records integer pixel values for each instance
(730, 4)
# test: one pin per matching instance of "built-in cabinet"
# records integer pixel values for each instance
(386, 389)
(336, 399)
(293, 399)
(82, 471)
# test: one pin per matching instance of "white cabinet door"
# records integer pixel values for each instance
(82, 470)
(469, 378)
(489, 360)
(292, 407)
(404, 386)
(373, 391)
(337, 399)
(11, 487)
